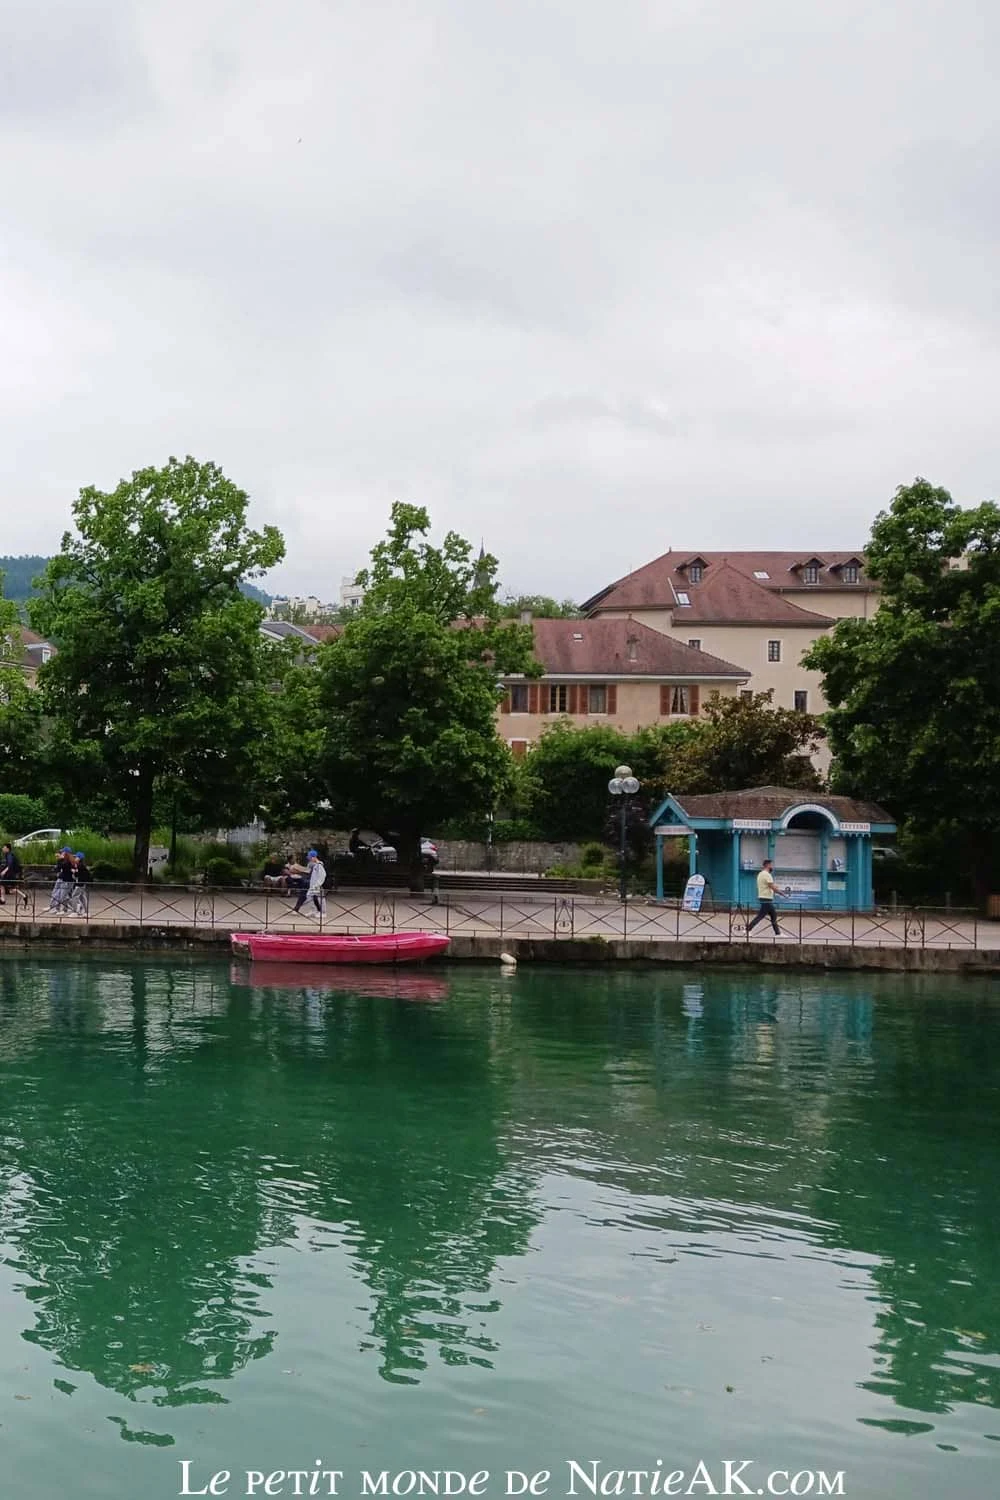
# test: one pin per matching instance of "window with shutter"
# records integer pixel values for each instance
(664, 699)
(680, 701)
(597, 700)
(612, 698)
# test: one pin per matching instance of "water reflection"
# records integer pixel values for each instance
(168, 1127)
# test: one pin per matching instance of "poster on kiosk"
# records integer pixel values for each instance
(694, 893)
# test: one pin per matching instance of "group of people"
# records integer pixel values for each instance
(73, 877)
(309, 880)
(70, 892)
(11, 877)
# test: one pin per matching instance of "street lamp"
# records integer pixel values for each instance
(624, 785)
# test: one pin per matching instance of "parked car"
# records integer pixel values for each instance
(43, 836)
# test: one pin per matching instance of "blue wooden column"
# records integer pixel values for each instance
(659, 867)
(692, 853)
(734, 894)
(824, 867)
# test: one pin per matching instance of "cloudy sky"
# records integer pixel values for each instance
(588, 278)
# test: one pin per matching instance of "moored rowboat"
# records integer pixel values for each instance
(334, 948)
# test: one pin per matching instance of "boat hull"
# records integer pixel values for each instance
(332, 948)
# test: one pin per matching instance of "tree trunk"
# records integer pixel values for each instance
(409, 858)
(143, 825)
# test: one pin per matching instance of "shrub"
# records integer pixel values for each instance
(103, 870)
(19, 815)
(593, 856)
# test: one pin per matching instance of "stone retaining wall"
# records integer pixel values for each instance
(23, 936)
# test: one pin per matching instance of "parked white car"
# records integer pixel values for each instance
(43, 836)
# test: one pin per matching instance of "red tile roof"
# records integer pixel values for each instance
(656, 585)
(622, 648)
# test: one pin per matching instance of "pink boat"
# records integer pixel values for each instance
(332, 948)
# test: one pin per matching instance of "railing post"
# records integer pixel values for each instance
(800, 924)
(501, 913)
(142, 892)
(852, 926)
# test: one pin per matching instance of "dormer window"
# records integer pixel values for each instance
(850, 572)
(695, 572)
(810, 573)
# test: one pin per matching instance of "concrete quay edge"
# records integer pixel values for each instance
(829, 957)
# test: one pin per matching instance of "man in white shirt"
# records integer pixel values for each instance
(317, 880)
(765, 895)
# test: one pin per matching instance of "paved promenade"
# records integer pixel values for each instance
(522, 915)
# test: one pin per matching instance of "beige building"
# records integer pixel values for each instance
(764, 609)
(613, 671)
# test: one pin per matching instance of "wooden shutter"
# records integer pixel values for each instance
(694, 698)
(664, 699)
(532, 699)
(505, 705)
(518, 748)
(573, 705)
(611, 697)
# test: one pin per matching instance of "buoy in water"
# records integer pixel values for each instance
(508, 961)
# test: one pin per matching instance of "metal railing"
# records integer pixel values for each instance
(505, 914)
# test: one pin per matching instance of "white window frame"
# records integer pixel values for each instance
(695, 643)
(850, 573)
(680, 702)
(597, 688)
(696, 572)
(810, 573)
(559, 692)
(683, 599)
(774, 652)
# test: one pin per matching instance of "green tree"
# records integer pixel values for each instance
(408, 693)
(20, 719)
(914, 721)
(161, 680)
(745, 742)
(540, 606)
(564, 776)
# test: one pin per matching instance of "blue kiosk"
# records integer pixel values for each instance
(821, 846)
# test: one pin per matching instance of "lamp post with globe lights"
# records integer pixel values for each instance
(624, 785)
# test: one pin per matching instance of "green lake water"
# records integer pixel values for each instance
(472, 1221)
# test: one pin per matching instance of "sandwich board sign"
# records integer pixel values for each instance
(694, 893)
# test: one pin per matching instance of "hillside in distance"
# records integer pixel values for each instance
(19, 572)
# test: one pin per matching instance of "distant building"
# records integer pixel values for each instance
(351, 593)
(34, 653)
(764, 609)
(616, 672)
(298, 606)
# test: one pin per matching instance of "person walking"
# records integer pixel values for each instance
(765, 895)
(11, 875)
(317, 880)
(82, 877)
(62, 891)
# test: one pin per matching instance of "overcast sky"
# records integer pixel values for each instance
(588, 278)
